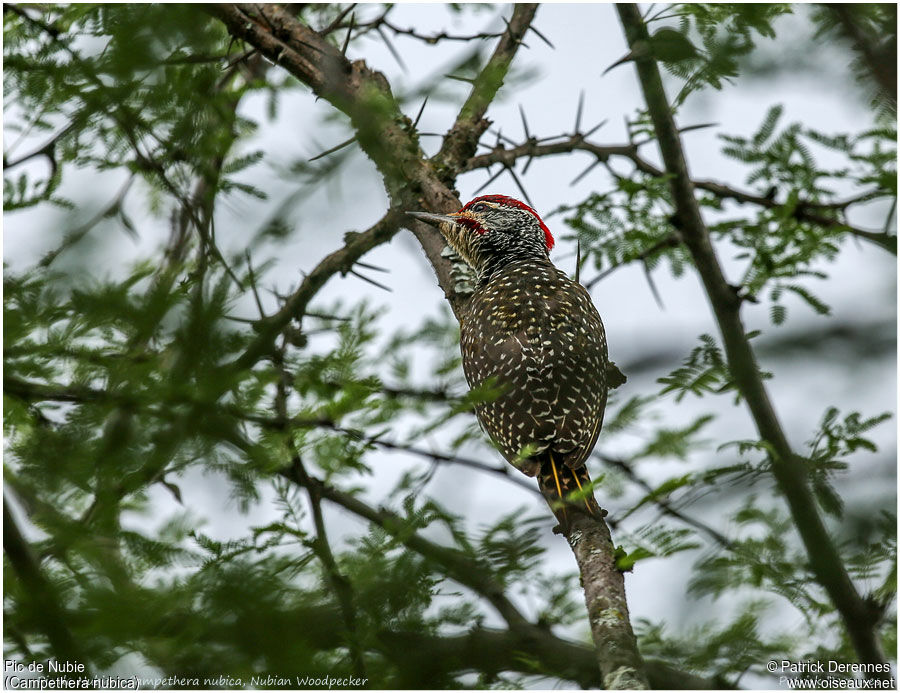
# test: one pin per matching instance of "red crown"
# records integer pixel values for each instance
(513, 202)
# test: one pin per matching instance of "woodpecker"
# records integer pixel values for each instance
(536, 335)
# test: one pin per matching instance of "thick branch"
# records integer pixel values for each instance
(789, 471)
(530, 650)
(615, 646)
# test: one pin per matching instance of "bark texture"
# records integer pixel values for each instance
(604, 595)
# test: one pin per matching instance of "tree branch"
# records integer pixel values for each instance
(47, 150)
(343, 591)
(458, 566)
(339, 261)
(532, 650)
(615, 646)
(384, 133)
(788, 470)
(813, 212)
(462, 139)
(76, 234)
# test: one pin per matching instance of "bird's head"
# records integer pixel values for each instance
(493, 229)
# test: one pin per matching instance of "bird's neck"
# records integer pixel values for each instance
(494, 265)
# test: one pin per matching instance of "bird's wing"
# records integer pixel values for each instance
(547, 356)
(499, 347)
(580, 374)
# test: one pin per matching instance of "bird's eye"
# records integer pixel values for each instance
(480, 207)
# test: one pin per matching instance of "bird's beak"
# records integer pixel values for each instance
(434, 219)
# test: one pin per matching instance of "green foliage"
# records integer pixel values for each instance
(797, 228)
(726, 32)
(654, 542)
(835, 440)
(704, 371)
(159, 112)
(870, 30)
(782, 244)
(715, 648)
(627, 224)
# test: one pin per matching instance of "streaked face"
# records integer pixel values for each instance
(496, 227)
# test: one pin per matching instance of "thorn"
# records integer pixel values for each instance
(490, 180)
(500, 136)
(585, 172)
(697, 127)
(468, 80)
(518, 41)
(371, 281)
(520, 186)
(578, 112)
(524, 122)
(628, 57)
(527, 164)
(349, 31)
(652, 284)
(337, 20)
(541, 36)
(366, 265)
(544, 140)
(242, 56)
(334, 149)
(421, 111)
(595, 128)
(391, 48)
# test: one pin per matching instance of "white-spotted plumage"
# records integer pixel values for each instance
(536, 335)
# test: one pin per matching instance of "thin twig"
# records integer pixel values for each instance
(75, 235)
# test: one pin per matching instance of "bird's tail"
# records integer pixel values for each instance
(567, 490)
